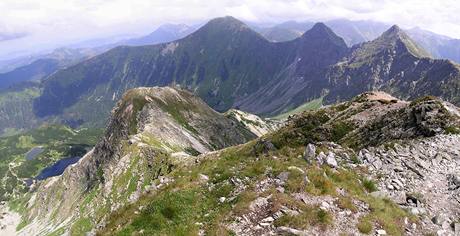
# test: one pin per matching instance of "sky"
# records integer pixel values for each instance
(34, 25)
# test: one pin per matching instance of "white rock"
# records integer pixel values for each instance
(204, 178)
(331, 161)
(324, 205)
(268, 219)
(381, 232)
(321, 158)
(222, 199)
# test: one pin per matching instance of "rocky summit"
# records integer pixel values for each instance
(170, 165)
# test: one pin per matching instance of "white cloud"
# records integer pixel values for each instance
(51, 22)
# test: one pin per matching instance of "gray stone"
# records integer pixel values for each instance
(283, 176)
(438, 219)
(310, 153)
(331, 161)
(321, 158)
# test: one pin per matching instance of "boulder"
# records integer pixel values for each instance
(321, 158)
(331, 161)
(310, 153)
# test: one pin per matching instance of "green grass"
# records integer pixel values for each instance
(309, 106)
(81, 226)
(340, 129)
(369, 185)
(364, 225)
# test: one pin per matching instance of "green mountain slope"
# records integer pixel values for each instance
(16, 108)
(222, 62)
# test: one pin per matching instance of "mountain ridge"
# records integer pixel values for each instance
(231, 66)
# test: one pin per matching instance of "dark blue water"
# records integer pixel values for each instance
(57, 168)
(34, 152)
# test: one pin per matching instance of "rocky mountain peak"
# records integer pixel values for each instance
(227, 23)
(395, 36)
(394, 30)
(321, 33)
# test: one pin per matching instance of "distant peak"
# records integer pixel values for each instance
(393, 31)
(321, 31)
(395, 28)
(227, 25)
(226, 20)
(396, 34)
(320, 26)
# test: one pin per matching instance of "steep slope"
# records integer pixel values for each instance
(326, 171)
(303, 79)
(151, 131)
(395, 64)
(16, 108)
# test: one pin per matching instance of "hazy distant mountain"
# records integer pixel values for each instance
(39, 67)
(34, 71)
(285, 31)
(65, 56)
(438, 45)
(354, 32)
(165, 33)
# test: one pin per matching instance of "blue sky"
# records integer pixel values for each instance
(54, 22)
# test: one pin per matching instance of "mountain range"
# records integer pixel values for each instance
(355, 32)
(229, 65)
